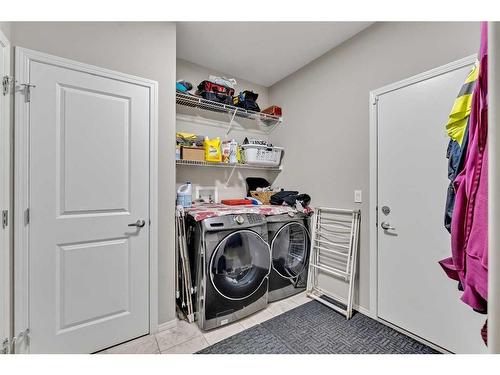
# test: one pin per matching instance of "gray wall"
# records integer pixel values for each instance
(143, 49)
(5, 28)
(326, 110)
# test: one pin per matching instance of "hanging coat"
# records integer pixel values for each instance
(460, 112)
(469, 230)
(457, 129)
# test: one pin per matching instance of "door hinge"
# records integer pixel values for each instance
(23, 336)
(27, 216)
(5, 349)
(26, 90)
(7, 84)
(5, 219)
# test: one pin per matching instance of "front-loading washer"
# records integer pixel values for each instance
(231, 262)
(290, 247)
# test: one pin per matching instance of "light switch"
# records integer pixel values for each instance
(357, 196)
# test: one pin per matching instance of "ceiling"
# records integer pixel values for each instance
(260, 52)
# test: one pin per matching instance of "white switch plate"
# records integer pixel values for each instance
(357, 196)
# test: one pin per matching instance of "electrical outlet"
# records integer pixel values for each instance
(357, 196)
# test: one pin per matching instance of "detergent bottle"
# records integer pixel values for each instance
(212, 150)
(185, 194)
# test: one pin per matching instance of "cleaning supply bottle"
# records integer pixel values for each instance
(185, 194)
(212, 150)
(233, 152)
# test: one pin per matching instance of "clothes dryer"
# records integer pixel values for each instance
(290, 246)
(231, 263)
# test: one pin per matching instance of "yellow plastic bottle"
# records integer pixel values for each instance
(212, 150)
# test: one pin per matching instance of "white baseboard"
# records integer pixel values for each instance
(362, 310)
(355, 306)
(167, 325)
(414, 337)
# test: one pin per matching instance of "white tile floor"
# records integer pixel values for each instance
(187, 338)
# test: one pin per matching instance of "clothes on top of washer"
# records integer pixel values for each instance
(290, 198)
(201, 211)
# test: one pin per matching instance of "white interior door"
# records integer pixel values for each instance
(88, 181)
(413, 291)
(5, 266)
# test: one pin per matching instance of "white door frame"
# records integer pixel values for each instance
(5, 249)
(373, 230)
(21, 230)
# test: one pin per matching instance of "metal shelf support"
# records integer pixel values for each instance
(231, 122)
(195, 163)
(230, 175)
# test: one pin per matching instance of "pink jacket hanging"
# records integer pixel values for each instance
(469, 231)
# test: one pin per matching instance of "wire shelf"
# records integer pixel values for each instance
(266, 122)
(225, 165)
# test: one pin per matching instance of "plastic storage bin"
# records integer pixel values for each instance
(262, 155)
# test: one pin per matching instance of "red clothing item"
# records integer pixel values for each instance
(469, 229)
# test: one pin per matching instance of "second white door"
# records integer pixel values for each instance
(88, 207)
(413, 291)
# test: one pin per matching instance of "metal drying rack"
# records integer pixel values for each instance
(184, 290)
(334, 247)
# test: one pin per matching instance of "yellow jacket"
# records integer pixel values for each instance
(460, 112)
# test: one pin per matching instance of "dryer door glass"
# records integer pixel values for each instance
(290, 250)
(240, 264)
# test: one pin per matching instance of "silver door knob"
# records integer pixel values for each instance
(139, 223)
(386, 226)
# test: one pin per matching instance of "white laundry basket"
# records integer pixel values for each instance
(262, 155)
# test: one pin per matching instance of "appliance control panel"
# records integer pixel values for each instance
(233, 221)
(255, 218)
(239, 219)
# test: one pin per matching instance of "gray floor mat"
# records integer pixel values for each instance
(313, 328)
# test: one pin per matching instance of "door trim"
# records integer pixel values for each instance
(374, 95)
(5, 197)
(23, 58)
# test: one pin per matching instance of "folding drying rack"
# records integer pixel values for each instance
(183, 284)
(334, 247)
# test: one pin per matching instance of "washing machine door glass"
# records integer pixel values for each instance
(239, 264)
(290, 250)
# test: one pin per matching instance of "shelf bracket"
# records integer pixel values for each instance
(231, 122)
(271, 128)
(230, 175)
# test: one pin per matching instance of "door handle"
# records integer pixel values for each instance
(386, 226)
(139, 223)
